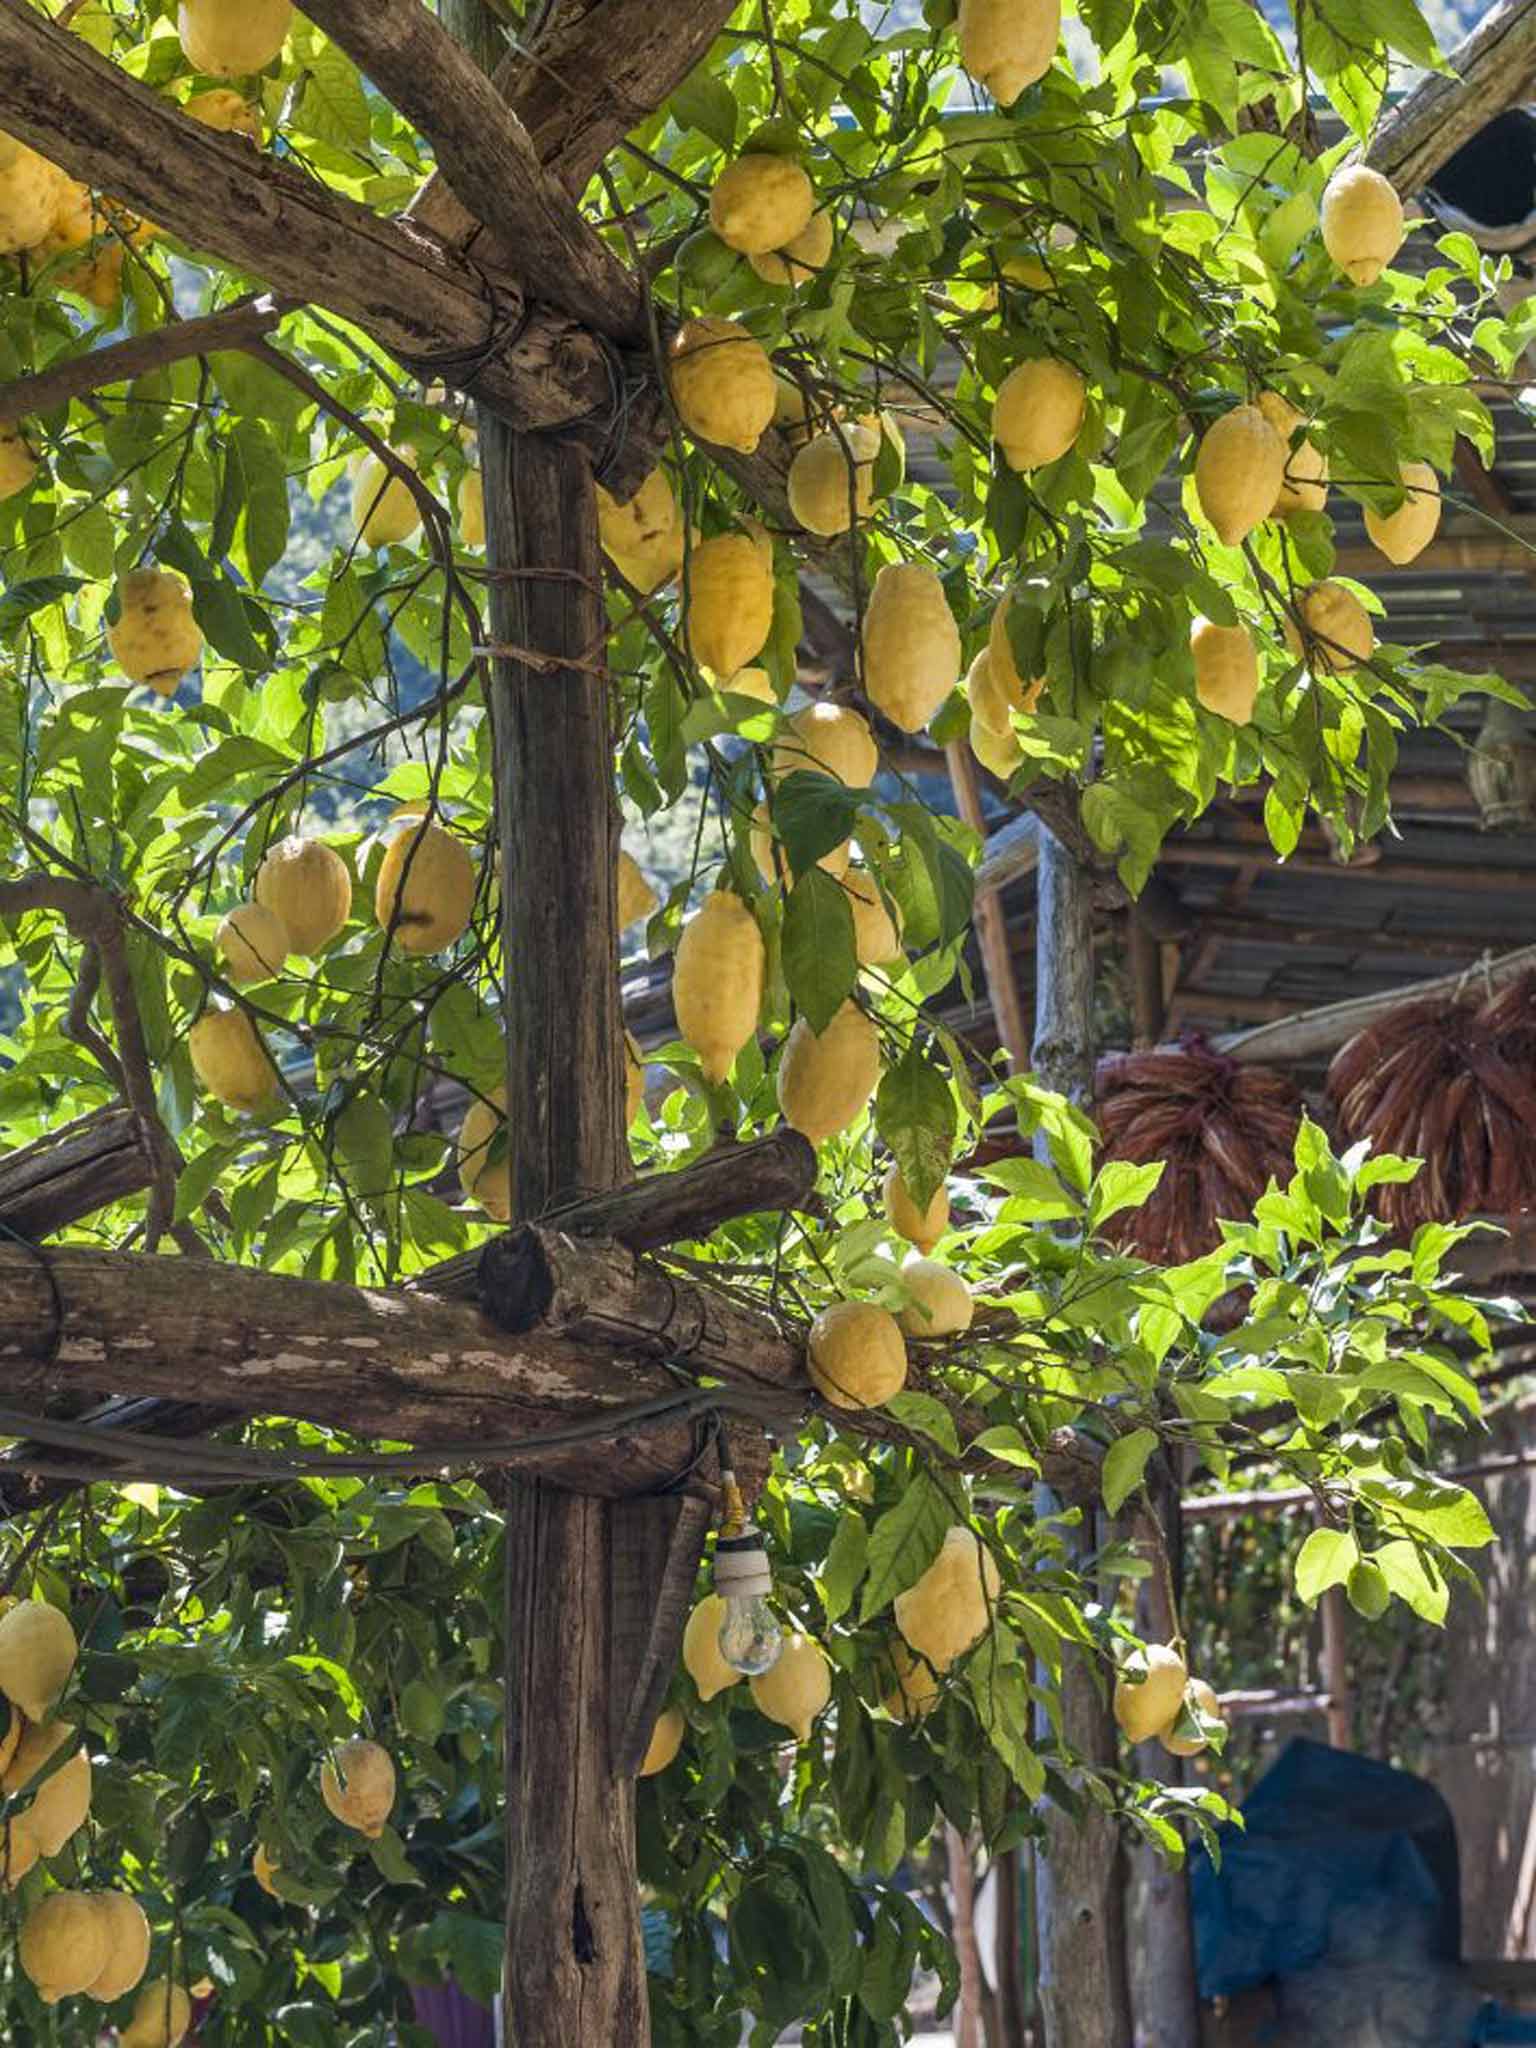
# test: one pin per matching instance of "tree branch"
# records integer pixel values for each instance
(1492, 67)
(121, 361)
(486, 156)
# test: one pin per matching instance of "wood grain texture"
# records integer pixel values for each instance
(656, 1550)
(488, 159)
(121, 361)
(1491, 69)
(71, 1173)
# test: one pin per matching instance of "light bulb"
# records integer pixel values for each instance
(750, 1637)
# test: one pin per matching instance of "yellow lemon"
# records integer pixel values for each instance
(38, 1651)
(228, 38)
(831, 482)
(666, 1740)
(155, 638)
(226, 111)
(640, 522)
(231, 1060)
(911, 644)
(1332, 631)
(1304, 487)
(728, 602)
(29, 190)
(1362, 222)
(1407, 532)
(358, 1786)
(1181, 1736)
(796, 261)
(1006, 45)
(856, 1355)
(831, 740)
(939, 1303)
(426, 889)
(761, 202)
(162, 2017)
(797, 1687)
(701, 1648)
(636, 897)
(1226, 669)
(253, 943)
(486, 1181)
(722, 383)
(306, 884)
(1239, 472)
(717, 981)
(1149, 1692)
(18, 464)
(876, 927)
(63, 1945)
(917, 1690)
(472, 509)
(384, 508)
(826, 1079)
(64, 1797)
(951, 1606)
(922, 1227)
(1038, 412)
(127, 1933)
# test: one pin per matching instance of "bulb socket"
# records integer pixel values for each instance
(741, 1567)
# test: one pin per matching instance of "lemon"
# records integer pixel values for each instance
(922, 1227)
(37, 1656)
(827, 1078)
(29, 190)
(636, 897)
(1006, 45)
(831, 740)
(1239, 472)
(19, 1853)
(1407, 532)
(224, 110)
(755, 683)
(1362, 222)
(227, 38)
(998, 752)
(950, 1607)
(358, 1786)
(701, 1648)
(917, 1690)
(911, 644)
(1181, 1737)
(634, 1078)
(384, 508)
(722, 383)
(486, 1181)
(471, 502)
(1226, 669)
(772, 862)
(64, 1797)
(761, 202)
(939, 1303)
(127, 1937)
(796, 261)
(253, 943)
(831, 482)
(728, 602)
(162, 2017)
(717, 981)
(231, 1060)
(996, 691)
(1038, 412)
(1332, 629)
(264, 1870)
(856, 1355)
(797, 1687)
(638, 523)
(1149, 1692)
(876, 928)
(306, 883)
(426, 889)
(1305, 484)
(18, 464)
(155, 638)
(666, 1740)
(63, 1945)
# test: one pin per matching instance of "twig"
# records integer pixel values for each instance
(235, 327)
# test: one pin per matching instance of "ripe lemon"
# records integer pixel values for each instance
(755, 683)
(795, 1689)
(37, 1656)
(63, 1945)
(225, 111)
(384, 508)
(1407, 532)
(831, 740)
(1038, 412)
(484, 1180)
(231, 1060)
(358, 1786)
(995, 690)
(701, 1648)
(253, 942)
(162, 2017)
(1362, 222)
(264, 1870)
(950, 1608)
(791, 410)
(426, 889)
(19, 1853)
(1239, 472)
(761, 202)
(856, 1355)
(1226, 669)
(127, 1936)
(666, 1740)
(998, 752)
(1149, 1691)
(155, 638)
(831, 482)
(876, 928)
(922, 1227)
(728, 602)
(471, 503)
(939, 1303)
(1006, 45)
(917, 1690)
(228, 38)
(1304, 487)
(717, 981)
(306, 884)
(1182, 1737)
(797, 261)
(911, 644)
(636, 897)
(638, 523)
(1334, 632)
(64, 1798)
(826, 1079)
(722, 383)
(29, 190)
(18, 464)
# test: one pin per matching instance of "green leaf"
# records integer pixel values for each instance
(927, 1416)
(334, 107)
(1121, 1185)
(704, 101)
(254, 453)
(1033, 1188)
(1125, 1463)
(904, 1542)
(846, 1557)
(916, 1117)
(812, 813)
(1411, 1577)
(1326, 1559)
(33, 595)
(820, 965)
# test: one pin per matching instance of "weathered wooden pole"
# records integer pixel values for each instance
(1080, 1891)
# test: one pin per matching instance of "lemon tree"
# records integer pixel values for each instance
(257, 858)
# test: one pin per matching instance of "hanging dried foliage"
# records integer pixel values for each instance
(1223, 1130)
(1452, 1083)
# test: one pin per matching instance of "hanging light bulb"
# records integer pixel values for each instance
(750, 1638)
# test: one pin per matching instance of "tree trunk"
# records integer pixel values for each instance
(1080, 1897)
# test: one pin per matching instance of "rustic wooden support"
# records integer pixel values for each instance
(419, 299)
(1080, 1896)
(991, 925)
(71, 1173)
(1491, 69)
(655, 1564)
(488, 159)
(1335, 1618)
(1311, 1033)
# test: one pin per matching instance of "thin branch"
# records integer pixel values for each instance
(122, 361)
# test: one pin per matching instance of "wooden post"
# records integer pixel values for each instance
(987, 914)
(1148, 1010)
(1080, 1894)
(1336, 1669)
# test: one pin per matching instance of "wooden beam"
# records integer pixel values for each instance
(121, 361)
(987, 916)
(71, 1173)
(1490, 69)
(1230, 853)
(419, 299)
(488, 159)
